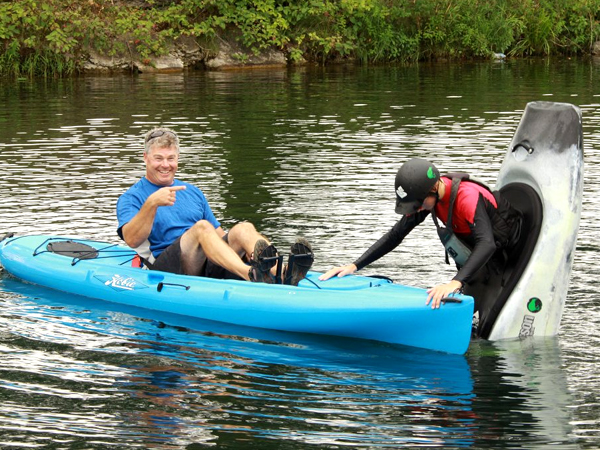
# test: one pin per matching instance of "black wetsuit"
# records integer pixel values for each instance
(488, 229)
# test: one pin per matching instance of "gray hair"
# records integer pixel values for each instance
(160, 137)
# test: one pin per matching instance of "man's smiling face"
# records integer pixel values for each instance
(161, 165)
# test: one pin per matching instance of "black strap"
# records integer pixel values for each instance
(453, 194)
(146, 263)
(446, 233)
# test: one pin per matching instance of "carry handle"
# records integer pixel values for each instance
(526, 145)
(451, 300)
(161, 285)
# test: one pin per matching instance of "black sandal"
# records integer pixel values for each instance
(263, 260)
(300, 260)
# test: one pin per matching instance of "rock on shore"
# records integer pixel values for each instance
(186, 53)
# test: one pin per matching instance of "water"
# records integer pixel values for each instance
(311, 152)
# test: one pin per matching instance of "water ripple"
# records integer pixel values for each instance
(306, 151)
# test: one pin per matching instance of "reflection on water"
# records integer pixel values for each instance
(146, 378)
(313, 152)
(139, 376)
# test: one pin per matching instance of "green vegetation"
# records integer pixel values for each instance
(54, 37)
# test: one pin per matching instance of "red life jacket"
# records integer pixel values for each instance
(503, 217)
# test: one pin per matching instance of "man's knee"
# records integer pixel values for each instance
(242, 237)
(243, 228)
(203, 227)
(199, 230)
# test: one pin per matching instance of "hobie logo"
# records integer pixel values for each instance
(121, 283)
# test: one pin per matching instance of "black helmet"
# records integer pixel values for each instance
(414, 181)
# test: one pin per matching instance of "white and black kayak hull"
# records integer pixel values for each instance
(542, 175)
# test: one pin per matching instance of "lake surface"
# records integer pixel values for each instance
(308, 152)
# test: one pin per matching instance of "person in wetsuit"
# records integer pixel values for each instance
(484, 223)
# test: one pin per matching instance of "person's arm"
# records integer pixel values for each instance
(382, 247)
(137, 230)
(483, 250)
(391, 239)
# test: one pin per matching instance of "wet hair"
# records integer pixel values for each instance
(160, 137)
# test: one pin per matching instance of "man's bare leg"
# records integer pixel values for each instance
(243, 236)
(203, 235)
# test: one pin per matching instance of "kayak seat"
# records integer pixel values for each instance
(492, 294)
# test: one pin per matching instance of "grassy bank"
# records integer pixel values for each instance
(54, 37)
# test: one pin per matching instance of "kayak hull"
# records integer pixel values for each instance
(354, 306)
(542, 175)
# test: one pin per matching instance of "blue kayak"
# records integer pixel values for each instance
(353, 306)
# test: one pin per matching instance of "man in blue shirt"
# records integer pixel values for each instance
(171, 225)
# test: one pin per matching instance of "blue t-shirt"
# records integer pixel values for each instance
(170, 222)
